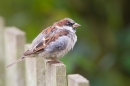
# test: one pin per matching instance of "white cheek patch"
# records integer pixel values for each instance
(68, 28)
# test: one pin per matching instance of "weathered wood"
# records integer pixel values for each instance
(35, 71)
(77, 80)
(2, 58)
(55, 74)
(14, 48)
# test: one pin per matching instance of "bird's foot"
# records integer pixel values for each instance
(54, 61)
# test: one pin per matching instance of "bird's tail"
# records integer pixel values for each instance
(19, 60)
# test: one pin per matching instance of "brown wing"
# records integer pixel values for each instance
(49, 29)
(48, 39)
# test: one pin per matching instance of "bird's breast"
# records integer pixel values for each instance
(61, 46)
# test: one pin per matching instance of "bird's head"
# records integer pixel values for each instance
(68, 24)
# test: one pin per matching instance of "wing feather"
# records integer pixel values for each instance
(40, 44)
(53, 37)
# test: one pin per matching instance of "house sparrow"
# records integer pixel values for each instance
(53, 42)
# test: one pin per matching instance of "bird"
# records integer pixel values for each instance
(53, 42)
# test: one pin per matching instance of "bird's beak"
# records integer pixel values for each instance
(76, 25)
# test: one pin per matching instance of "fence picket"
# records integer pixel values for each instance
(77, 80)
(55, 74)
(14, 48)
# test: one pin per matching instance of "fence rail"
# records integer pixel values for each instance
(32, 71)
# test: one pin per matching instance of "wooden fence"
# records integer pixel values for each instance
(32, 71)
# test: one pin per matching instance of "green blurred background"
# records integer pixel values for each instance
(102, 53)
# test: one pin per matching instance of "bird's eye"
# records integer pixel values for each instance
(69, 24)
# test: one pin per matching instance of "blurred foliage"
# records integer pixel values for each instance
(102, 53)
